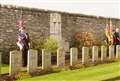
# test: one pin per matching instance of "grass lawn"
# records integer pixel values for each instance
(5, 69)
(93, 73)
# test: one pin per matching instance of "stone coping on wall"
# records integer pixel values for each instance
(52, 11)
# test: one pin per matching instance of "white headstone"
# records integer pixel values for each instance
(95, 54)
(32, 61)
(46, 59)
(111, 52)
(0, 61)
(60, 57)
(85, 55)
(103, 53)
(73, 56)
(15, 62)
(118, 51)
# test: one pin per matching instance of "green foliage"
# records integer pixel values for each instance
(84, 74)
(37, 44)
(51, 44)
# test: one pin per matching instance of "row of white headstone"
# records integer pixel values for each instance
(15, 58)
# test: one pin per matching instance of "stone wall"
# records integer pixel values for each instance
(37, 23)
(72, 23)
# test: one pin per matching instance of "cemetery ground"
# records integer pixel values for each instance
(100, 72)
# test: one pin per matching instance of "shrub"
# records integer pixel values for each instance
(51, 44)
(86, 39)
(37, 44)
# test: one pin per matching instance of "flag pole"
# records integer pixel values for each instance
(21, 14)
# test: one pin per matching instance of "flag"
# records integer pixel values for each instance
(109, 32)
(110, 26)
(21, 24)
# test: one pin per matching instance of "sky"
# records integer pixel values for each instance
(106, 8)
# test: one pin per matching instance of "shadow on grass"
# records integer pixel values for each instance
(113, 79)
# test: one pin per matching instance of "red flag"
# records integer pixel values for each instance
(107, 27)
(21, 24)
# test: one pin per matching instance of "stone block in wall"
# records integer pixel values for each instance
(118, 51)
(15, 62)
(95, 50)
(73, 56)
(85, 55)
(103, 53)
(60, 57)
(46, 59)
(1, 40)
(32, 61)
(111, 52)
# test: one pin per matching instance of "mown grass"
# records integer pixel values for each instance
(5, 69)
(93, 73)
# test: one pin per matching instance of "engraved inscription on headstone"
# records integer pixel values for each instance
(46, 59)
(103, 53)
(15, 62)
(118, 51)
(85, 55)
(32, 60)
(60, 57)
(111, 52)
(95, 54)
(73, 56)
